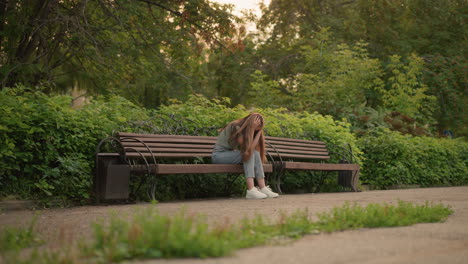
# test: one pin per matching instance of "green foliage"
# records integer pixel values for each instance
(446, 80)
(140, 49)
(393, 159)
(406, 93)
(337, 80)
(267, 93)
(307, 55)
(330, 80)
(312, 49)
(226, 72)
(47, 148)
(16, 239)
(389, 26)
(150, 235)
(381, 215)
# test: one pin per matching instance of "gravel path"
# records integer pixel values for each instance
(422, 243)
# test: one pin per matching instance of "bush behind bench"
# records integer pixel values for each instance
(395, 159)
(47, 148)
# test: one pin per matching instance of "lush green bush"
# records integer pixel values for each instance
(395, 159)
(46, 147)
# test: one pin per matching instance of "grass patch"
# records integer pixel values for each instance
(15, 239)
(381, 215)
(151, 235)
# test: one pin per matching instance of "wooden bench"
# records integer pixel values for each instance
(308, 155)
(154, 155)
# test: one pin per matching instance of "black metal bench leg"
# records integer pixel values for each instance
(279, 174)
(355, 181)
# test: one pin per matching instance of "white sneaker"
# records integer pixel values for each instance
(268, 192)
(254, 193)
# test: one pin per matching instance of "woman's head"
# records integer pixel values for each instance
(249, 124)
(247, 128)
(253, 121)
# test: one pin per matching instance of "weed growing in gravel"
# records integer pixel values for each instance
(151, 235)
(381, 215)
(15, 239)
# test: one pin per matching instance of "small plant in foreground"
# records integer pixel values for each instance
(15, 238)
(381, 215)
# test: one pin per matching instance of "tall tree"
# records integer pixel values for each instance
(389, 26)
(142, 48)
(433, 30)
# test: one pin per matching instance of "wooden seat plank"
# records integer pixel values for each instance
(294, 156)
(168, 150)
(279, 143)
(156, 136)
(169, 155)
(273, 146)
(294, 140)
(167, 145)
(294, 151)
(319, 166)
(197, 168)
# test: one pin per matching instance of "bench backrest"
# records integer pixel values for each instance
(181, 146)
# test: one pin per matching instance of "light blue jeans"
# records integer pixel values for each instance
(252, 167)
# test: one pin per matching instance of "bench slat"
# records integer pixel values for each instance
(209, 150)
(172, 140)
(207, 153)
(139, 135)
(182, 146)
(154, 146)
(320, 166)
(319, 152)
(168, 150)
(156, 136)
(297, 148)
(196, 168)
(167, 145)
(170, 155)
(285, 143)
(294, 156)
(294, 140)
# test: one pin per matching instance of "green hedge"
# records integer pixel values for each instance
(47, 148)
(395, 159)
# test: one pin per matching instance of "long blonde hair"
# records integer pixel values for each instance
(246, 125)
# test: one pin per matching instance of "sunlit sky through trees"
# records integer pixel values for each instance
(244, 4)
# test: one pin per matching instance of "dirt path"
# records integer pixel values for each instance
(423, 243)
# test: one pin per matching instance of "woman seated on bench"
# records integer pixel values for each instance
(242, 141)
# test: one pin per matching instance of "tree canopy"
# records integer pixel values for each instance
(394, 63)
(142, 48)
